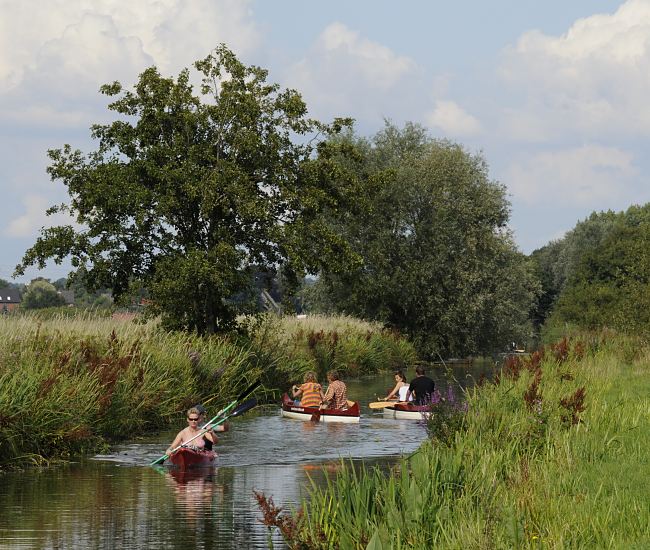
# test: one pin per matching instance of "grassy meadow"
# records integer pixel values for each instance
(73, 383)
(552, 454)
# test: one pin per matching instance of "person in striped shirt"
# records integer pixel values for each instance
(310, 392)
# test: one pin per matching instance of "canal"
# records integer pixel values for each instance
(117, 500)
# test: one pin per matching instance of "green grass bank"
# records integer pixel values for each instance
(71, 384)
(553, 454)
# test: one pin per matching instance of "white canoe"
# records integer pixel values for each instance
(406, 411)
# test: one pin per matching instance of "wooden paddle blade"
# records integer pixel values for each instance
(381, 404)
(315, 417)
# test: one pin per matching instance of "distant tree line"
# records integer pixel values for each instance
(598, 274)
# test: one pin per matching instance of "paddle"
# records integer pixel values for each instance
(221, 413)
(315, 416)
(241, 409)
(381, 404)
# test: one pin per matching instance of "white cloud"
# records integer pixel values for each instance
(453, 120)
(586, 176)
(174, 33)
(345, 73)
(593, 80)
(54, 57)
(34, 218)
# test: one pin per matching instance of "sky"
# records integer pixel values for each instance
(553, 93)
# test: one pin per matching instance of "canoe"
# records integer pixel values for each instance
(290, 410)
(407, 411)
(186, 458)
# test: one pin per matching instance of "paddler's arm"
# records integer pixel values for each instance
(325, 399)
(177, 441)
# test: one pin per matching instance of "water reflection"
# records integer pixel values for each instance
(118, 501)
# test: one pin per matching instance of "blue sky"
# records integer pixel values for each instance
(553, 93)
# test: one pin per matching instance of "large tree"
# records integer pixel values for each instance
(438, 260)
(610, 283)
(187, 190)
(556, 264)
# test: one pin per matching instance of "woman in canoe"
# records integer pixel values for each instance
(310, 392)
(401, 388)
(193, 429)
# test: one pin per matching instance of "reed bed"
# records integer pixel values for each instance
(321, 343)
(72, 384)
(553, 454)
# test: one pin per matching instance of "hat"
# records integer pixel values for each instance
(200, 408)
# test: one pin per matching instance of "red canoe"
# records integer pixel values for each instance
(186, 458)
(349, 415)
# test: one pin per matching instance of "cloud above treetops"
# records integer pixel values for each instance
(591, 81)
(53, 59)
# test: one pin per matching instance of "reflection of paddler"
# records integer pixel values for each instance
(331, 467)
(194, 490)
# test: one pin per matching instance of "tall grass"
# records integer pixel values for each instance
(321, 343)
(553, 454)
(69, 384)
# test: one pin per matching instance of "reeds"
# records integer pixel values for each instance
(70, 384)
(543, 460)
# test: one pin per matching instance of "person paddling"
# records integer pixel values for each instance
(310, 392)
(336, 396)
(192, 430)
(421, 387)
(207, 443)
(401, 388)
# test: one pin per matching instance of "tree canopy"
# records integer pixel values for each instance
(186, 191)
(609, 282)
(438, 260)
(40, 293)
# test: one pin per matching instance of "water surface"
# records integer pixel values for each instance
(118, 501)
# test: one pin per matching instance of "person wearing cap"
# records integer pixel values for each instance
(212, 436)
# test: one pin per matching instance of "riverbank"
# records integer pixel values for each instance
(553, 454)
(73, 384)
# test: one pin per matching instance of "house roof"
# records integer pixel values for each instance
(67, 295)
(9, 295)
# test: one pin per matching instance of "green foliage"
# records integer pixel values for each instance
(41, 294)
(320, 343)
(552, 455)
(447, 417)
(185, 192)
(609, 282)
(87, 378)
(438, 261)
(4, 284)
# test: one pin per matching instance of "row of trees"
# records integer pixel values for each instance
(194, 195)
(41, 293)
(598, 274)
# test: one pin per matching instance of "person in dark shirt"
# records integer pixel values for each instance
(421, 388)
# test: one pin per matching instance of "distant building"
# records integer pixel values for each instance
(9, 299)
(68, 296)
